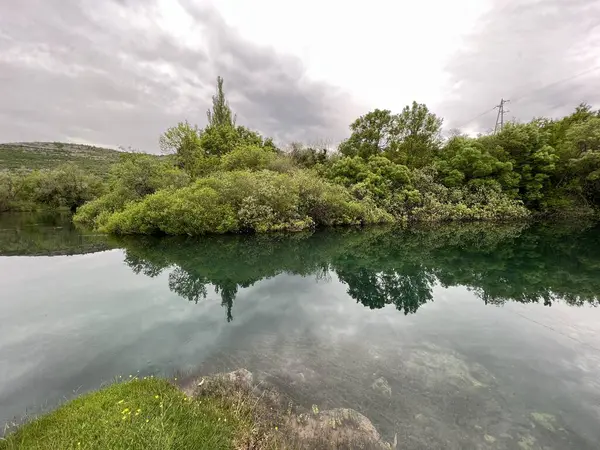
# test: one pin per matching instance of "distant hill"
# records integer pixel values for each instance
(48, 155)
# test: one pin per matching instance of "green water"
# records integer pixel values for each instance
(460, 337)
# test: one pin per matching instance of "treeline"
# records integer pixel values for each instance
(67, 186)
(393, 168)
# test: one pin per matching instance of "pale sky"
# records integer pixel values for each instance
(119, 72)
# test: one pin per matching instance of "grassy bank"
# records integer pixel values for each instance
(224, 411)
(139, 414)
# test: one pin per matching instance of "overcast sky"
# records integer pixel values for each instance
(119, 72)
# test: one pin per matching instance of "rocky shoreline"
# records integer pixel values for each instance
(298, 428)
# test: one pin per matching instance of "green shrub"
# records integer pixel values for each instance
(244, 201)
(138, 175)
(67, 186)
(250, 157)
(191, 210)
(378, 177)
(475, 201)
(134, 178)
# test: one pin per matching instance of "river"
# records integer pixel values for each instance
(467, 336)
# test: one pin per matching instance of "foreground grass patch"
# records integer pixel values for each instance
(139, 414)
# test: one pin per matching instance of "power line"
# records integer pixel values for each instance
(555, 83)
(476, 117)
(525, 95)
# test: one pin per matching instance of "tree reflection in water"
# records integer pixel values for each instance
(385, 266)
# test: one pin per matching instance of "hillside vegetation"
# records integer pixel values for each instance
(50, 155)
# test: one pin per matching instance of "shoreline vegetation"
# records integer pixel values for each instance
(223, 411)
(394, 168)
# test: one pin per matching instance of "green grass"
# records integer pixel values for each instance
(49, 155)
(139, 414)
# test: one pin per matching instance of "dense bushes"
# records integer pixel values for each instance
(244, 201)
(67, 186)
(133, 178)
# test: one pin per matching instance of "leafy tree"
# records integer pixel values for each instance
(67, 186)
(307, 157)
(587, 171)
(582, 137)
(411, 137)
(558, 129)
(378, 177)
(533, 160)
(220, 115)
(185, 141)
(220, 140)
(12, 185)
(372, 134)
(464, 160)
(250, 157)
(419, 133)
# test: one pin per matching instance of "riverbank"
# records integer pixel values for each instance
(225, 411)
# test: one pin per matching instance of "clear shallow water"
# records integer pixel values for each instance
(461, 337)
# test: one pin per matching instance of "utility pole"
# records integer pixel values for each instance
(500, 116)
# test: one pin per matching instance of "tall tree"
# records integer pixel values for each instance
(372, 134)
(221, 114)
(411, 137)
(419, 132)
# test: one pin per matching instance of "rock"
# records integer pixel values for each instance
(526, 442)
(548, 421)
(489, 438)
(339, 428)
(238, 379)
(242, 377)
(381, 385)
(299, 378)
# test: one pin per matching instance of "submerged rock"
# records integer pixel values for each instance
(340, 428)
(548, 421)
(382, 386)
(241, 379)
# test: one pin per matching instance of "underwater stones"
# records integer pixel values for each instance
(548, 421)
(339, 428)
(382, 386)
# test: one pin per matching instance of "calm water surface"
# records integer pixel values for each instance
(462, 337)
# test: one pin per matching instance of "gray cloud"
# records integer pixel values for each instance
(107, 73)
(529, 52)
